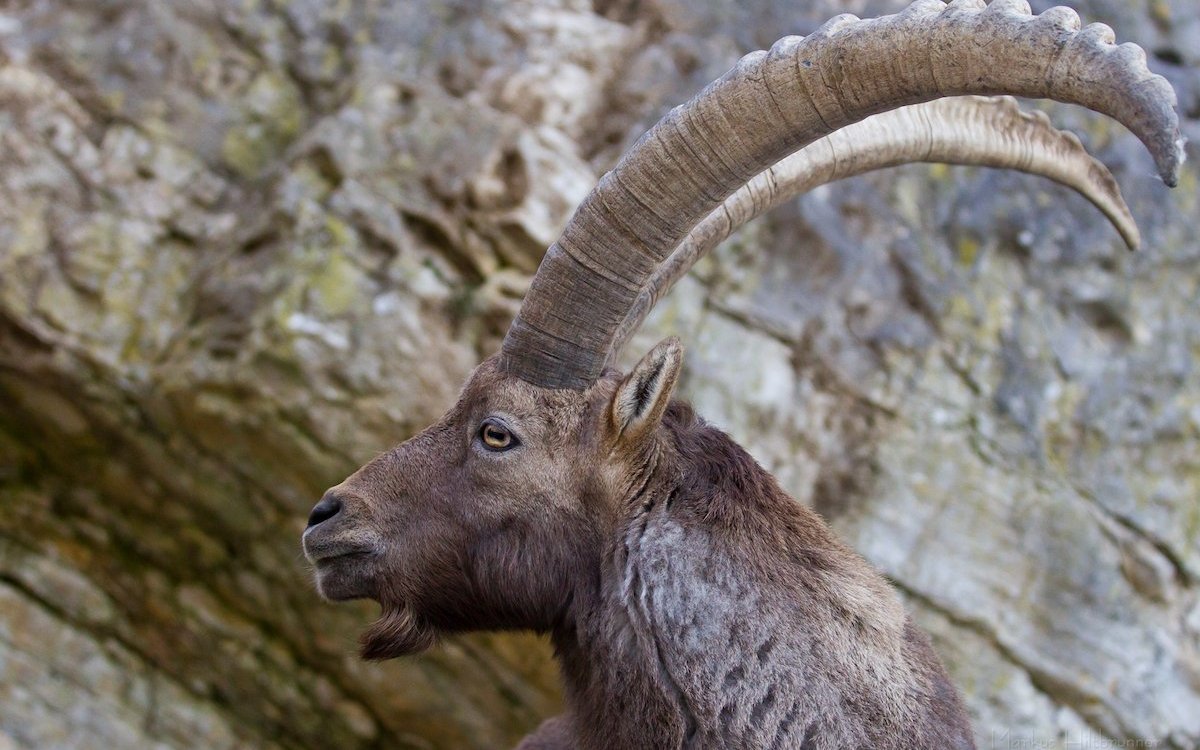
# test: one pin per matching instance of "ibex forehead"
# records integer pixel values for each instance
(491, 389)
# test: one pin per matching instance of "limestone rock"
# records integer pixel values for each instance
(246, 244)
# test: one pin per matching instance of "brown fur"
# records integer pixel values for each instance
(691, 602)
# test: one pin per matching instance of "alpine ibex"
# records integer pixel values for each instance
(690, 601)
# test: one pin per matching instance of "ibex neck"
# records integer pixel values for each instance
(617, 682)
(618, 673)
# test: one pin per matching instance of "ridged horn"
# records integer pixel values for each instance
(966, 130)
(773, 103)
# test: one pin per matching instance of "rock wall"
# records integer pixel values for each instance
(245, 244)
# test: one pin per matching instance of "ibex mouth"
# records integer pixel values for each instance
(326, 558)
(324, 545)
(346, 576)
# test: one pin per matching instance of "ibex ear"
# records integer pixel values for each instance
(643, 395)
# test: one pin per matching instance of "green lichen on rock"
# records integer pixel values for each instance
(271, 115)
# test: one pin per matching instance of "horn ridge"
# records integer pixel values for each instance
(970, 130)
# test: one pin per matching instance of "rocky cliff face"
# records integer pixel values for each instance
(245, 244)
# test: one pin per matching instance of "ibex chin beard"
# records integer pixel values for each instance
(397, 632)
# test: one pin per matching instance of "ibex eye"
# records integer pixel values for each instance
(496, 437)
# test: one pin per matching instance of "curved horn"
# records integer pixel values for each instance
(773, 103)
(967, 130)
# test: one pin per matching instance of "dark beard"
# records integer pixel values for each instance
(397, 632)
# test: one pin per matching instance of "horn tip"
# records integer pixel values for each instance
(1172, 162)
(1132, 237)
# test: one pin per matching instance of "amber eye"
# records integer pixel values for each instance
(496, 437)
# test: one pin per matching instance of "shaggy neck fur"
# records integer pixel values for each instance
(727, 615)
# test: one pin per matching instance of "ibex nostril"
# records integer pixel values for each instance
(329, 507)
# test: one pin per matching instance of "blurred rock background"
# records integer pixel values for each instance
(245, 244)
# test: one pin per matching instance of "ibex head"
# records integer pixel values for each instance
(493, 517)
(487, 518)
